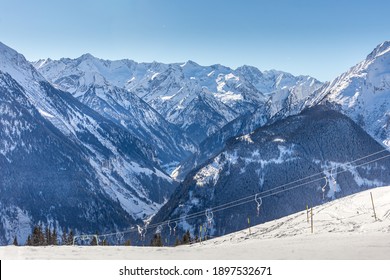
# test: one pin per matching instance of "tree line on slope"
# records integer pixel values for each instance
(47, 237)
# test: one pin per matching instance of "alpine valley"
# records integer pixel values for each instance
(101, 146)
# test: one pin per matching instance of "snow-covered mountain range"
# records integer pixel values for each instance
(94, 82)
(362, 93)
(42, 126)
(199, 100)
(121, 127)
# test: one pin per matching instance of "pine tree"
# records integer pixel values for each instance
(159, 241)
(28, 242)
(186, 238)
(156, 241)
(127, 242)
(64, 237)
(152, 242)
(95, 239)
(48, 237)
(35, 241)
(15, 243)
(177, 242)
(70, 238)
(38, 238)
(41, 236)
(54, 238)
(93, 242)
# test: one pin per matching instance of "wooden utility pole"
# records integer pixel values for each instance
(249, 225)
(373, 206)
(307, 213)
(311, 216)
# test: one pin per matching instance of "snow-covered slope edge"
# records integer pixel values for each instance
(351, 214)
(343, 229)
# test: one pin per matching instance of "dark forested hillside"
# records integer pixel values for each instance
(318, 141)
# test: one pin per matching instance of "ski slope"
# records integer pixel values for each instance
(343, 229)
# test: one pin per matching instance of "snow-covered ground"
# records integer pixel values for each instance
(343, 229)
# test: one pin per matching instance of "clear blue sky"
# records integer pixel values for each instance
(318, 38)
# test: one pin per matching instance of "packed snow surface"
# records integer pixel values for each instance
(343, 229)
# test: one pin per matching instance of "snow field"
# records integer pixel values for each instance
(343, 229)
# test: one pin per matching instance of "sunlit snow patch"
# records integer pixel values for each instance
(246, 138)
(279, 140)
(154, 76)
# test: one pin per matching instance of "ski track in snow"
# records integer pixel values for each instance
(343, 229)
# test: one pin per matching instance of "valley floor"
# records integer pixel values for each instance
(343, 229)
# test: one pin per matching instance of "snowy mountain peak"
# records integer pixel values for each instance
(379, 50)
(87, 56)
(41, 62)
(189, 63)
(17, 66)
(9, 56)
(362, 93)
(250, 71)
(7, 51)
